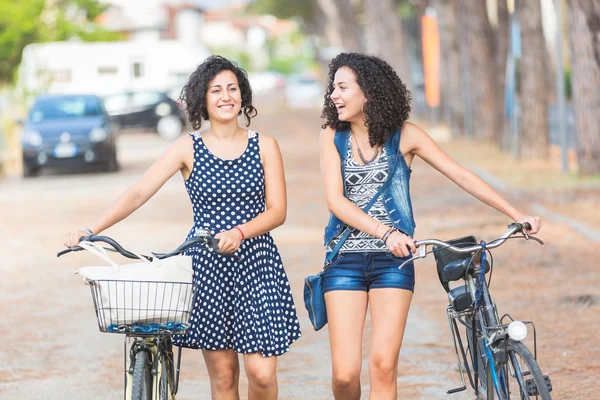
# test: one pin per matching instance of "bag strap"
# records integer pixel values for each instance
(348, 230)
(101, 252)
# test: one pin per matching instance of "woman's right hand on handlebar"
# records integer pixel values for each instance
(72, 238)
(400, 245)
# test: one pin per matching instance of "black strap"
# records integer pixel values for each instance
(348, 230)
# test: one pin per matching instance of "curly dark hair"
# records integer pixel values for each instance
(193, 94)
(388, 99)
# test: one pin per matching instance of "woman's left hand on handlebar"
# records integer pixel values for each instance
(400, 245)
(229, 241)
(535, 222)
(72, 238)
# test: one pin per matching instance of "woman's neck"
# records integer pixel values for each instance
(360, 130)
(225, 131)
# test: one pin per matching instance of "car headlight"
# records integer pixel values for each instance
(33, 138)
(98, 135)
(163, 109)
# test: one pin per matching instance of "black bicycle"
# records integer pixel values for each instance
(149, 323)
(498, 365)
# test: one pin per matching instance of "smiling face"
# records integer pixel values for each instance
(347, 96)
(223, 98)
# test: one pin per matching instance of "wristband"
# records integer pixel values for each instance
(241, 232)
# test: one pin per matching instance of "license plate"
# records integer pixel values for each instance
(65, 150)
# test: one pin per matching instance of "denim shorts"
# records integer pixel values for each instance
(368, 270)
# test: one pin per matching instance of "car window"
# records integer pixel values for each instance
(65, 107)
(145, 99)
(116, 102)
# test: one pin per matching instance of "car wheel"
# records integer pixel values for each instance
(112, 165)
(169, 127)
(30, 171)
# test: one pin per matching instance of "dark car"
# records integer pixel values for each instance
(146, 110)
(68, 131)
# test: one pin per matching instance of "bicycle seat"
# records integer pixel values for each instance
(457, 269)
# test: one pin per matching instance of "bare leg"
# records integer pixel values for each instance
(262, 376)
(389, 311)
(224, 372)
(346, 312)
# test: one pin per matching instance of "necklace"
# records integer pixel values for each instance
(360, 154)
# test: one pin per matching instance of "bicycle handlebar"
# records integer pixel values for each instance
(201, 236)
(512, 229)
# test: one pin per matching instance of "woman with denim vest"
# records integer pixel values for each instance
(365, 138)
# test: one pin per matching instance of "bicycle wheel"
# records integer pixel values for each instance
(142, 378)
(163, 384)
(522, 377)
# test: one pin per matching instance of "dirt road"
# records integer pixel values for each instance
(51, 348)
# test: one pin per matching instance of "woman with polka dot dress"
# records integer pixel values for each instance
(236, 184)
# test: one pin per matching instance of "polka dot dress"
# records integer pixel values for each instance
(245, 305)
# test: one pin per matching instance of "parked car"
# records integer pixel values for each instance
(70, 131)
(147, 110)
(304, 92)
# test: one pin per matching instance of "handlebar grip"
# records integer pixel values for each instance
(65, 251)
(527, 226)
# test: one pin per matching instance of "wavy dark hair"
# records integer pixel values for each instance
(388, 99)
(193, 94)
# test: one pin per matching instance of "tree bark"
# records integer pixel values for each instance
(451, 95)
(338, 19)
(502, 41)
(480, 44)
(584, 39)
(533, 139)
(385, 36)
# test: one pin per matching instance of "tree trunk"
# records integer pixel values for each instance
(451, 96)
(502, 41)
(482, 67)
(338, 19)
(385, 37)
(533, 139)
(584, 38)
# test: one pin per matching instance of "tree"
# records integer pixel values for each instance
(333, 20)
(482, 67)
(23, 23)
(584, 38)
(450, 70)
(533, 141)
(501, 49)
(18, 27)
(385, 37)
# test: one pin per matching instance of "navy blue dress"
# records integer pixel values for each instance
(242, 305)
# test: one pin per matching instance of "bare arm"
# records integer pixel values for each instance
(275, 191)
(135, 196)
(418, 142)
(276, 199)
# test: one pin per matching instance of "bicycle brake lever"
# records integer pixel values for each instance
(422, 254)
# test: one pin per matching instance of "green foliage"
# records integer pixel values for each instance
(568, 83)
(26, 22)
(241, 58)
(284, 9)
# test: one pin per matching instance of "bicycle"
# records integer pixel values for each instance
(150, 371)
(495, 354)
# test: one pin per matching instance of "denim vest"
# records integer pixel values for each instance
(396, 199)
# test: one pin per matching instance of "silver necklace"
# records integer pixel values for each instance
(360, 154)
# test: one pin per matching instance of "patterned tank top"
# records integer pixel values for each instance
(362, 183)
